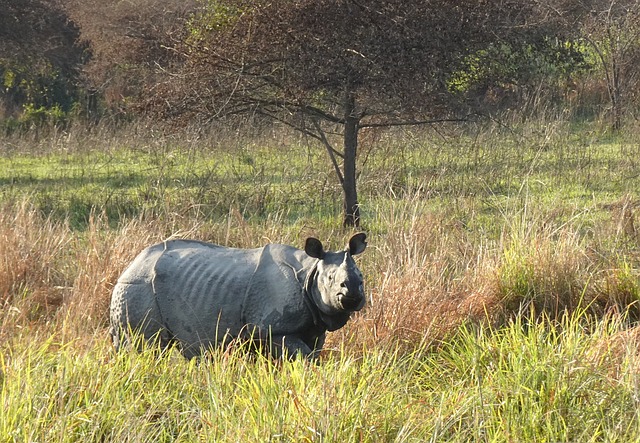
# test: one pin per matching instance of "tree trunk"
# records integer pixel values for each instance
(351, 123)
(616, 97)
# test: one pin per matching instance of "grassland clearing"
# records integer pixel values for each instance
(503, 277)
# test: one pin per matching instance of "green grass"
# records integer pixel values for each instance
(477, 175)
(126, 183)
(533, 382)
(548, 383)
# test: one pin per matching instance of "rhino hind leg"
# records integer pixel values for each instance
(136, 320)
(141, 336)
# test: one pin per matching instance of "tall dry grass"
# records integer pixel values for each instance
(429, 275)
(35, 266)
(426, 274)
(100, 256)
(58, 279)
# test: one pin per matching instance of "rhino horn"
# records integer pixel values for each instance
(345, 262)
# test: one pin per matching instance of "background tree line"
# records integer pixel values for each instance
(327, 68)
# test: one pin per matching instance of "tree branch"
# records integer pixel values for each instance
(390, 124)
(320, 135)
(305, 109)
(330, 150)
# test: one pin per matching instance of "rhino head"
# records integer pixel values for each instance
(339, 285)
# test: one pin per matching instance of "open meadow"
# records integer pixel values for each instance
(502, 278)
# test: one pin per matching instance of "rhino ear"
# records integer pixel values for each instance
(313, 248)
(357, 243)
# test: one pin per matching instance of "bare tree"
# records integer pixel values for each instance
(330, 68)
(612, 30)
(129, 44)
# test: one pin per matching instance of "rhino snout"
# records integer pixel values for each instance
(352, 300)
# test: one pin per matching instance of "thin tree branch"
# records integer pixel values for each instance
(330, 150)
(275, 117)
(411, 122)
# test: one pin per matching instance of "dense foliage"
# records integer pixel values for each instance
(398, 58)
(41, 58)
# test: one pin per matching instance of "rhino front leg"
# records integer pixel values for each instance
(291, 347)
(315, 352)
(288, 347)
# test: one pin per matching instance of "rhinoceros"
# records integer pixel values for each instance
(201, 295)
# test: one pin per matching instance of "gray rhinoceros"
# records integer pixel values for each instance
(202, 295)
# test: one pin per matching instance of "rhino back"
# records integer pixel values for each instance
(200, 289)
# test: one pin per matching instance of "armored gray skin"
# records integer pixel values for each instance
(201, 295)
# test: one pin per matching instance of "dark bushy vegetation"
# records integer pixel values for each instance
(41, 61)
(179, 58)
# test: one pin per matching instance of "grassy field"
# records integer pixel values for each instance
(503, 277)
